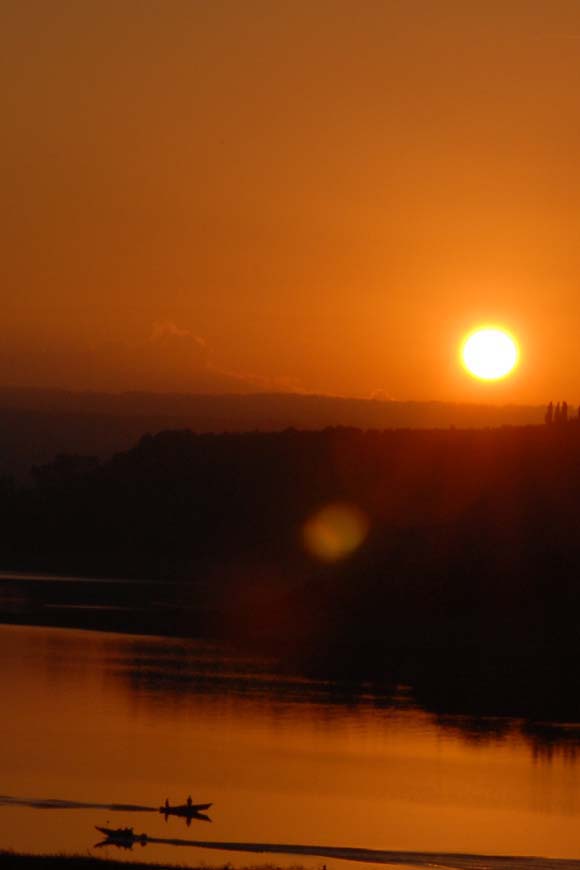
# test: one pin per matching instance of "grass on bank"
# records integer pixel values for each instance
(9, 860)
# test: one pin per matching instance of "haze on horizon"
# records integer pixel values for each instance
(320, 197)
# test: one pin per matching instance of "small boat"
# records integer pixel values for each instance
(122, 835)
(183, 810)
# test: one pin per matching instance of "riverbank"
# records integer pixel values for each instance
(17, 861)
(10, 860)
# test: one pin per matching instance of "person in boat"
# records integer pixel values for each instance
(166, 803)
(189, 802)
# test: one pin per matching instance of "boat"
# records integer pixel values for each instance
(122, 835)
(183, 810)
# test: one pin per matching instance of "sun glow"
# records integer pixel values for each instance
(489, 353)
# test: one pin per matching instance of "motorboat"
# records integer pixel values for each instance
(183, 810)
(124, 836)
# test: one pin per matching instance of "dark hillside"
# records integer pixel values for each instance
(467, 583)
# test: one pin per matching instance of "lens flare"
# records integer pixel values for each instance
(335, 531)
(490, 353)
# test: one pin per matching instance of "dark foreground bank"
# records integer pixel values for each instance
(11, 860)
(454, 861)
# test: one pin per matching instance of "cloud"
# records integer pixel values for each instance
(170, 358)
(187, 354)
(166, 329)
(381, 395)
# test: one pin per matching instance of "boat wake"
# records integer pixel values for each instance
(433, 860)
(453, 861)
(58, 804)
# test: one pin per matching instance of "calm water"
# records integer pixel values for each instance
(100, 719)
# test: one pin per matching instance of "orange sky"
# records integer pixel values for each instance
(321, 195)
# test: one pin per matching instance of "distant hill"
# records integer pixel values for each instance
(36, 424)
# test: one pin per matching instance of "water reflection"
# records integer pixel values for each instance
(195, 672)
(114, 724)
(184, 669)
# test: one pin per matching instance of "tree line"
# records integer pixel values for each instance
(466, 583)
(559, 413)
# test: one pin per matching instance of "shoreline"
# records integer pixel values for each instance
(24, 861)
(10, 860)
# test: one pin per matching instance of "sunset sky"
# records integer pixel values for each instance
(316, 195)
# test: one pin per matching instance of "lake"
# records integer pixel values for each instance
(99, 719)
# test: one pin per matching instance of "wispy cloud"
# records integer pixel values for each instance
(163, 329)
(169, 358)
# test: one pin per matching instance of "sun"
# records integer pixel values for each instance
(490, 353)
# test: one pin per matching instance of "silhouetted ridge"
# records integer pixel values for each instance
(36, 424)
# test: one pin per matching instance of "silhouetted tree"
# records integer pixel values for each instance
(557, 413)
(564, 415)
(549, 415)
